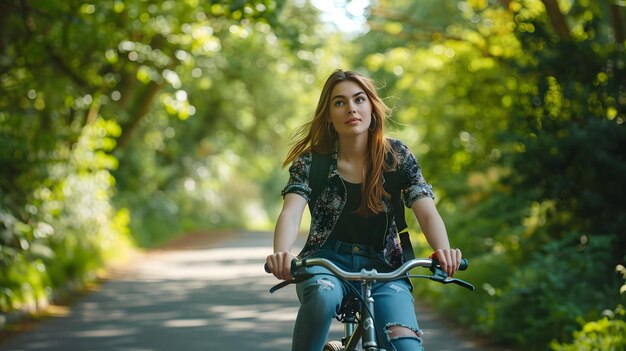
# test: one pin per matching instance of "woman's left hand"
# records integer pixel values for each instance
(449, 260)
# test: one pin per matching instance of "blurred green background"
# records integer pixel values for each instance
(126, 123)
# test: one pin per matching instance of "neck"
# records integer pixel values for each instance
(353, 148)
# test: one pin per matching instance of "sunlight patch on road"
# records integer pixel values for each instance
(212, 264)
(262, 313)
(105, 333)
(218, 254)
(240, 326)
(186, 323)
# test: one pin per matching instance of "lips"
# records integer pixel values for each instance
(353, 121)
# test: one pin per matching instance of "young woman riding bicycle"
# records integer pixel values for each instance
(352, 220)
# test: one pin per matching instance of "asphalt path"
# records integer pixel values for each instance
(206, 292)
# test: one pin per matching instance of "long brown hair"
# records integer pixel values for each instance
(316, 136)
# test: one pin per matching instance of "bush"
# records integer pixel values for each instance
(530, 303)
(69, 229)
(489, 274)
(605, 334)
(569, 278)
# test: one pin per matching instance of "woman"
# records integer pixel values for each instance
(352, 222)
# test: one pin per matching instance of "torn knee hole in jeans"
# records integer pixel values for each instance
(325, 284)
(397, 331)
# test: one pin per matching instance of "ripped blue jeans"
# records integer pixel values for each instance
(320, 299)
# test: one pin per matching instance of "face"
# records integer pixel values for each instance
(350, 109)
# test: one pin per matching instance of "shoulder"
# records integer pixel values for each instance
(399, 149)
(302, 162)
(398, 146)
(304, 156)
(301, 165)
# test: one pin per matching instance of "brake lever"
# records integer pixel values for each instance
(465, 284)
(298, 277)
(280, 285)
(442, 277)
(459, 282)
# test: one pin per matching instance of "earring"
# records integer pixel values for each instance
(373, 124)
(331, 130)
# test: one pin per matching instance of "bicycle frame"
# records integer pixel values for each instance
(364, 330)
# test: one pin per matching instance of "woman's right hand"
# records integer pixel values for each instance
(280, 264)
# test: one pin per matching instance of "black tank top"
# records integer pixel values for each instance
(355, 229)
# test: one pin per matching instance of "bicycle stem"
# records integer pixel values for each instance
(367, 322)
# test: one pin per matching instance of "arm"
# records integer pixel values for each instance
(417, 194)
(285, 235)
(435, 231)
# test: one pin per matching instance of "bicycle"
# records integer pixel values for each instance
(356, 312)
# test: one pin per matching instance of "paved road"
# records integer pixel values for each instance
(197, 295)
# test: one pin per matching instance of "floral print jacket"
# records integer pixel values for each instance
(332, 199)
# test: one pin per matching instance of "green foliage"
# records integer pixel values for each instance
(218, 167)
(533, 302)
(546, 295)
(490, 274)
(68, 228)
(605, 334)
(132, 116)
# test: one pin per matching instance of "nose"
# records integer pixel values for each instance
(351, 107)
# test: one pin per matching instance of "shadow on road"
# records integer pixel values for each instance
(198, 299)
(196, 294)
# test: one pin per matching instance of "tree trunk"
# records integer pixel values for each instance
(142, 103)
(618, 25)
(557, 18)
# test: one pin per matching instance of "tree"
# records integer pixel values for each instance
(85, 89)
(516, 112)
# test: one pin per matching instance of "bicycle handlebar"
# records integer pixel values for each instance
(423, 262)
(365, 274)
(372, 275)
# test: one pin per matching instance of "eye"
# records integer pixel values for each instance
(339, 103)
(360, 99)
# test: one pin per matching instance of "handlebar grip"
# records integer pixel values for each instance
(464, 264)
(295, 264)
